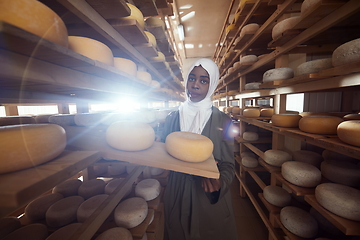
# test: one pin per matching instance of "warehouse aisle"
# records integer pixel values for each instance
(248, 222)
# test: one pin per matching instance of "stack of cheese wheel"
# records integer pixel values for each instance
(301, 174)
(92, 49)
(346, 53)
(310, 157)
(19, 150)
(249, 29)
(189, 147)
(251, 112)
(349, 132)
(68, 188)
(278, 74)
(148, 189)
(63, 119)
(144, 76)
(37, 208)
(63, 211)
(319, 124)
(151, 38)
(65, 232)
(131, 212)
(299, 222)
(14, 120)
(130, 136)
(35, 231)
(313, 66)
(339, 199)
(286, 120)
(341, 171)
(115, 234)
(277, 196)
(125, 65)
(8, 225)
(266, 112)
(248, 59)
(283, 26)
(91, 188)
(136, 14)
(36, 18)
(89, 206)
(276, 157)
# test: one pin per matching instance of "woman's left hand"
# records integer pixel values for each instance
(211, 185)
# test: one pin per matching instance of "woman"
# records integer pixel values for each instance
(198, 208)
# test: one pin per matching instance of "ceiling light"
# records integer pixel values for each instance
(181, 33)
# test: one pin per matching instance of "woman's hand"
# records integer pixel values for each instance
(211, 185)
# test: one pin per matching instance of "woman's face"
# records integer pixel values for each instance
(198, 84)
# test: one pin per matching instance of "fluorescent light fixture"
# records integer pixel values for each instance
(188, 16)
(187, 6)
(189, 45)
(181, 32)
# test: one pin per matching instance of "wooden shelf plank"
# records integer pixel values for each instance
(335, 144)
(298, 191)
(289, 234)
(347, 226)
(130, 30)
(110, 9)
(155, 156)
(255, 150)
(19, 188)
(260, 140)
(268, 167)
(147, 7)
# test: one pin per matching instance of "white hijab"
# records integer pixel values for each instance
(194, 115)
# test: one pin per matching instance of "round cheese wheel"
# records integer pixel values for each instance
(313, 66)
(354, 116)
(125, 65)
(130, 136)
(346, 53)
(249, 29)
(236, 110)
(189, 147)
(87, 119)
(28, 145)
(343, 172)
(9, 225)
(248, 59)
(36, 18)
(136, 14)
(92, 49)
(65, 232)
(15, 120)
(339, 199)
(37, 208)
(63, 211)
(116, 169)
(43, 118)
(113, 184)
(89, 206)
(277, 196)
(236, 65)
(248, 154)
(154, 171)
(252, 86)
(144, 76)
(100, 169)
(284, 25)
(148, 189)
(63, 119)
(91, 188)
(286, 120)
(131, 212)
(115, 234)
(301, 174)
(305, 114)
(251, 112)
(230, 70)
(155, 22)
(68, 188)
(278, 74)
(319, 124)
(250, 136)
(307, 4)
(299, 222)
(349, 132)
(151, 38)
(309, 157)
(249, 162)
(229, 109)
(276, 157)
(159, 58)
(266, 112)
(35, 231)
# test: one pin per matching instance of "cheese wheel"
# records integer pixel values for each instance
(130, 136)
(277, 196)
(63, 119)
(346, 53)
(155, 22)
(248, 59)
(159, 58)
(100, 169)
(131, 212)
(116, 169)
(249, 29)
(151, 38)
(266, 112)
(63, 211)
(91, 188)
(91, 48)
(68, 188)
(8, 225)
(339, 199)
(354, 116)
(252, 86)
(15, 120)
(43, 118)
(319, 124)
(87, 119)
(307, 4)
(189, 147)
(65, 232)
(115, 234)
(299, 222)
(309, 157)
(313, 66)
(136, 14)
(37, 208)
(301, 174)
(248, 154)
(35, 231)
(283, 26)
(113, 184)
(144, 76)
(278, 74)
(305, 114)
(36, 18)
(154, 171)
(349, 132)
(251, 112)
(250, 136)
(125, 65)
(236, 110)
(343, 172)
(89, 206)
(286, 120)
(276, 157)
(25, 146)
(148, 189)
(229, 28)
(249, 162)
(236, 65)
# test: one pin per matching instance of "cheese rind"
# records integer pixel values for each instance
(8, 225)
(248, 59)
(278, 74)
(68, 188)
(125, 65)
(346, 53)
(283, 26)
(148, 189)
(91, 188)
(276, 157)
(249, 162)
(310, 157)
(313, 66)
(251, 112)
(37, 208)
(286, 120)
(341, 171)
(266, 112)
(63, 211)
(35, 231)
(301, 174)
(250, 136)
(136, 14)
(277, 196)
(89, 206)
(116, 234)
(131, 212)
(319, 124)
(349, 132)
(65, 232)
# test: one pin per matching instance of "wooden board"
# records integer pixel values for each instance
(84, 138)
(298, 191)
(130, 30)
(109, 9)
(19, 188)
